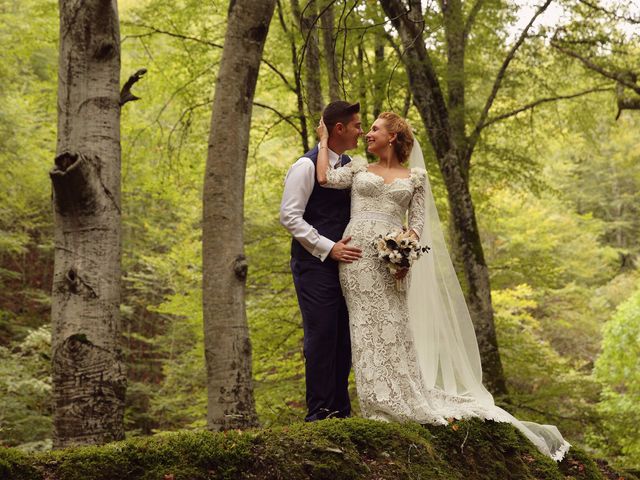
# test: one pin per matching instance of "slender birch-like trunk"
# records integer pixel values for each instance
(89, 380)
(227, 345)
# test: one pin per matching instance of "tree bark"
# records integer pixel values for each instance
(363, 94)
(379, 77)
(327, 23)
(227, 345)
(445, 128)
(308, 20)
(455, 41)
(362, 86)
(89, 380)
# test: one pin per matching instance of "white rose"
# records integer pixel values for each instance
(395, 257)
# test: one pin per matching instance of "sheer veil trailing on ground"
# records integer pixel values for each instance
(445, 339)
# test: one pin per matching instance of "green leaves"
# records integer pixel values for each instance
(25, 389)
(618, 370)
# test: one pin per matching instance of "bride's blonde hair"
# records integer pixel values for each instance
(404, 136)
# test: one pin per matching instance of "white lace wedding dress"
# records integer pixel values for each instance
(392, 382)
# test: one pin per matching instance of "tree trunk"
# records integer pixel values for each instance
(379, 77)
(476, 272)
(308, 26)
(445, 128)
(454, 35)
(363, 95)
(302, 117)
(362, 86)
(89, 381)
(327, 23)
(227, 345)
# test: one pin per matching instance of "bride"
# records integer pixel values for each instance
(414, 350)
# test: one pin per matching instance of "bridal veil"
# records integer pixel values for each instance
(445, 338)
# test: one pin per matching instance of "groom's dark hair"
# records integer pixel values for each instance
(339, 112)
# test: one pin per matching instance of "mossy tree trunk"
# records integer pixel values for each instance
(89, 379)
(227, 345)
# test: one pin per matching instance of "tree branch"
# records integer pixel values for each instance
(624, 102)
(187, 111)
(154, 30)
(501, 73)
(297, 79)
(344, 44)
(286, 118)
(423, 79)
(621, 77)
(393, 44)
(125, 93)
(468, 25)
(312, 25)
(609, 12)
(532, 105)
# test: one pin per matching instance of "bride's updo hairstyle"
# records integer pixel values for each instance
(404, 136)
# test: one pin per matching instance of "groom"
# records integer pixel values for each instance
(316, 218)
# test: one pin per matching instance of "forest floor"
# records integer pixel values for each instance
(331, 449)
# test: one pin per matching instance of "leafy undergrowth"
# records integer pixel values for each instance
(331, 449)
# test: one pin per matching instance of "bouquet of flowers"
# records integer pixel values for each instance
(398, 249)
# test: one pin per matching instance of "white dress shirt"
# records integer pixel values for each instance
(298, 185)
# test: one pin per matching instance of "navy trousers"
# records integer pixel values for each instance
(327, 345)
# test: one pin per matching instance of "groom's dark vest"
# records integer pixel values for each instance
(328, 211)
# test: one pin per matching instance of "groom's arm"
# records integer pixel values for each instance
(298, 186)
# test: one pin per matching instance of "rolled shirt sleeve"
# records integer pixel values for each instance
(298, 185)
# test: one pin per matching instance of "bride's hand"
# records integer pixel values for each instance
(400, 274)
(323, 133)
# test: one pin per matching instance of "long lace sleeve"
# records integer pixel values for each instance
(416, 207)
(342, 177)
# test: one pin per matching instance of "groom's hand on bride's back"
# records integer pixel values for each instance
(341, 252)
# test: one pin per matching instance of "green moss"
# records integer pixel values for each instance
(332, 449)
(354, 448)
(577, 464)
(16, 465)
(185, 455)
(490, 450)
